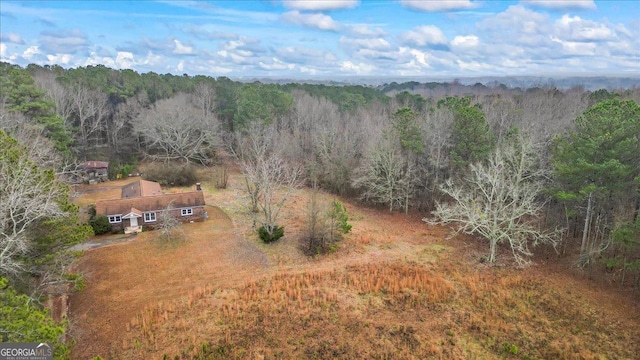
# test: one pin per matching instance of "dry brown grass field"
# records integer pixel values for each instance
(396, 288)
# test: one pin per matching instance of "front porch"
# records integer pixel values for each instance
(133, 229)
(133, 217)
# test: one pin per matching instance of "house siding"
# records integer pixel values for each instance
(198, 215)
(157, 203)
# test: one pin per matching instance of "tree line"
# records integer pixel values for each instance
(383, 144)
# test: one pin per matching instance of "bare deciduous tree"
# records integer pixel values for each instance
(436, 132)
(204, 97)
(326, 224)
(46, 80)
(89, 109)
(38, 148)
(167, 223)
(269, 177)
(28, 196)
(175, 130)
(499, 200)
(386, 176)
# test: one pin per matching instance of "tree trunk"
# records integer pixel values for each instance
(624, 271)
(492, 250)
(406, 204)
(585, 233)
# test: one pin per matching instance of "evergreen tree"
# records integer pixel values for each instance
(20, 94)
(596, 164)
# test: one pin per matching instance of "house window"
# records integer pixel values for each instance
(114, 219)
(150, 216)
(188, 211)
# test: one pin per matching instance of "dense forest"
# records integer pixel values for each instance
(512, 166)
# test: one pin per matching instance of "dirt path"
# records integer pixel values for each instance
(102, 242)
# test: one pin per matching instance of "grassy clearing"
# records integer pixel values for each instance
(380, 311)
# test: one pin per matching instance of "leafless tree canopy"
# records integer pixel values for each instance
(270, 178)
(27, 197)
(175, 130)
(499, 201)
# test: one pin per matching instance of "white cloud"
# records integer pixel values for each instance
(243, 51)
(424, 35)
(425, 59)
(438, 5)
(276, 64)
(3, 50)
(512, 63)
(562, 4)
(308, 70)
(180, 66)
(30, 51)
(306, 56)
(318, 21)
(360, 68)
(11, 38)
(320, 4)
(95, 59)
(365, 30)
(474, 66)
(515, 20)
(421, 57)
(465, 42)
(575, 28)
(368, 43)
(576, 48)
(59, 58)
(63, 42)
(181, 49)
(124, 60)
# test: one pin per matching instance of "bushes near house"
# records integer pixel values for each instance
(100, 224)
(171, 175)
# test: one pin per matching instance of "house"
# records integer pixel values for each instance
(95, 170)
(142, 203)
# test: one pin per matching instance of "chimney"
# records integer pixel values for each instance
(198, 187)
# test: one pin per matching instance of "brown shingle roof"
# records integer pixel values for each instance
(141, 188)
(89, 165)
(150, 203)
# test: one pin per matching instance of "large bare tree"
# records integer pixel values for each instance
(387, 176)
(175, 130)
(28, 196)
(270, 178)
(499, 200)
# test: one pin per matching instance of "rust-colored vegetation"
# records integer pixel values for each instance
(383, 310)
(395, 289)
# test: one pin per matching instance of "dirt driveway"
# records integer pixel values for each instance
(120, 283)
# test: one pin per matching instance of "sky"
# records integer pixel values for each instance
(328, 38)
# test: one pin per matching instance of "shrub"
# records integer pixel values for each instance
(100, 224)
(171, 175)
(326, 224)
(278, 232)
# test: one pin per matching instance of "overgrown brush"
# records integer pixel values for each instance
(171, 174)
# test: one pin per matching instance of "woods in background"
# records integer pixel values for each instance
(401, 146)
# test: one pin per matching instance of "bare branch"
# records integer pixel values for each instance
(499, 201)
